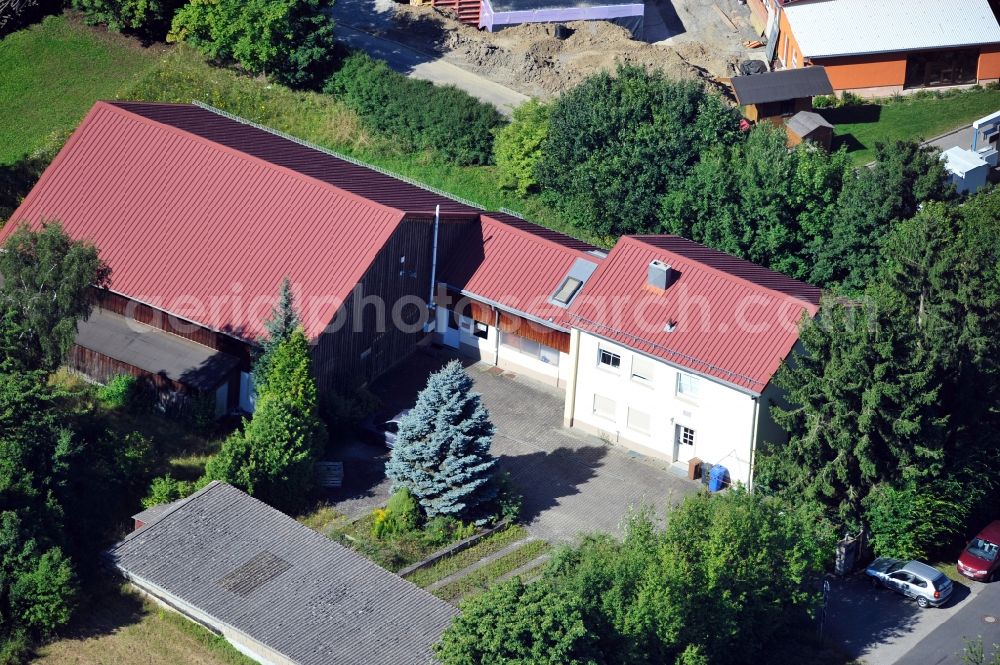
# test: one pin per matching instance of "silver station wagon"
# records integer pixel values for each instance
(928, 586)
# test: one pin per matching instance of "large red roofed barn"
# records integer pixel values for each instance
(201, 215)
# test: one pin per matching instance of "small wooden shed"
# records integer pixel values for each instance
(774, 96)
(809, 126)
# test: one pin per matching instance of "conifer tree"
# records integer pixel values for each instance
(442, 453)
(273, 457)
(284, 319)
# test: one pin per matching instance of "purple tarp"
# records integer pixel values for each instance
(629, 15)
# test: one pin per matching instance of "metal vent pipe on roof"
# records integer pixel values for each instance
(659, 275)
(434, 257)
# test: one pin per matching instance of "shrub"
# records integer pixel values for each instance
(509, 501)
(342, 411)
(913, 522)
(848, 98)
(518, 146)
(166, 489)
(442, 530)
(119, 392)
(400, 515)
(135, 457)
(824, 101)
(419, 114)
(150, 19)
(290, 39)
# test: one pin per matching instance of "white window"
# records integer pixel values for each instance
(530, 348)
(605, 407)
(642, 368)
(465, 323)
(639, 421)
(608, 359)
(548, 355)
(795, 59)
(687, 385)
(480, 330)
(685, 435)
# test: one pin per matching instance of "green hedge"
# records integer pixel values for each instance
(418, 113)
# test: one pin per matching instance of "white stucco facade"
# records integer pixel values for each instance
(482, 340)
(663, 410)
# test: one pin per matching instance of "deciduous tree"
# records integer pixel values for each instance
(45, 291)
(616, 143)
(291, 40)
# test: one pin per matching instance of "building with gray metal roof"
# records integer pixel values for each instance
(277, 590)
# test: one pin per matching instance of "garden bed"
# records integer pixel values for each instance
(397, 551)
(482, 578)
(449, 565)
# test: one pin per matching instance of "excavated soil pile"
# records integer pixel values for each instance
(531, 59)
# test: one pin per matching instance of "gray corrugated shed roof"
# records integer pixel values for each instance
(154, 350)
(853, 27)
(286, 586)
(782, 85)
(805, 122)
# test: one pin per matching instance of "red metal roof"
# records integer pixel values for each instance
(514, 264)
(202, 230)
(733, 320)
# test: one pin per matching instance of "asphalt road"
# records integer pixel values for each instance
(881, 627)
(429, 67)
(944, 645)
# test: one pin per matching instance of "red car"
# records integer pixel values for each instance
(981, 558)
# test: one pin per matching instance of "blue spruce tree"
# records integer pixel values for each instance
(442, 453)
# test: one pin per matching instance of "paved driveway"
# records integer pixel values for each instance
(572, 483)
(881, 627)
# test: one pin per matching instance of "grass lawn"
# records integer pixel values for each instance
(951, 572)
(485, 547)
(118, 627)
(912, 117)
(53, 72)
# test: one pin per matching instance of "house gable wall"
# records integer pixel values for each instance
(722, 417)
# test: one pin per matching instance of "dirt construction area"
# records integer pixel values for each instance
(687, 39)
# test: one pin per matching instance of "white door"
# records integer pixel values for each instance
(683, 443)
(247, 397)
(449, 331)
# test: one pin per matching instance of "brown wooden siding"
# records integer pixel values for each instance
(509, 323)
(402, 270)
(555, 339)
(156, 318)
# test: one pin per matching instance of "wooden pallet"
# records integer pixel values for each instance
(467, 11)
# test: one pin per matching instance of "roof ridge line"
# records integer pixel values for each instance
(338, 155)
(174, 506)
(726, 274)
(241, 154)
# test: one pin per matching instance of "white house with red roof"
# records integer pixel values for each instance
(674, 349)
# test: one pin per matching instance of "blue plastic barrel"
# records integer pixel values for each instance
(717, 478)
